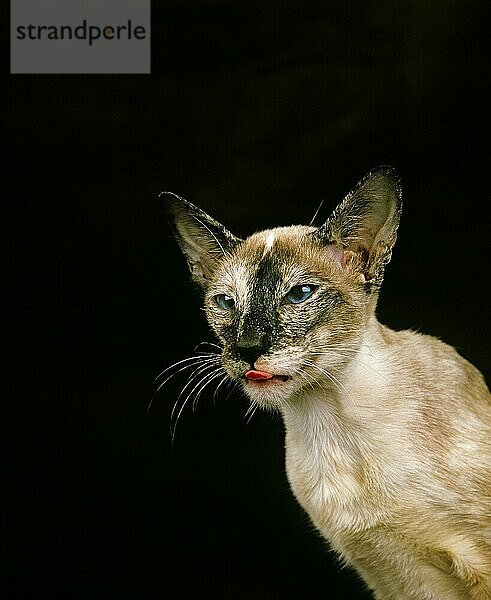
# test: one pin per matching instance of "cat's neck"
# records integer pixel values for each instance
(347, 411)
(335, 436)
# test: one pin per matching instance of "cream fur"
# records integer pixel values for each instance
(388, 434)
(402, 494)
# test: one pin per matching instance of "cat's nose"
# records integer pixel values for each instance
(250, 349)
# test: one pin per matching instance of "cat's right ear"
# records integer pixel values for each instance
(203, 241)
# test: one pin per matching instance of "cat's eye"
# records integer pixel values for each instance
(300, 293)
(224, 301)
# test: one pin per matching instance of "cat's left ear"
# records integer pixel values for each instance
(363, 228)
(203, 241)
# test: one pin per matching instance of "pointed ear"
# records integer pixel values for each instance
(364, 226)
(203, 241)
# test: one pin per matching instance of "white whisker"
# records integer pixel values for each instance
(308, 379)
(200, 371)
(233, 385)
(189, 365)
(317, 212)
(329, 375)
(185, 360)
(206, 380)
(221, 382)
(203, 382)
(211, 344)
(250, 412)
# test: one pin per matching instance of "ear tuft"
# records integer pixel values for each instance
(365, 224)
(203, 241)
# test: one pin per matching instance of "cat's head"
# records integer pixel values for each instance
(289, 304)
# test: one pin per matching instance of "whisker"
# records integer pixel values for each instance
(222, 381)
(347, 347)
(317, 212)
(308, 379)
(188, 359)
(250, 411)
(362, 362)
(338, 384)
(214, 375)
(211, 344)
(329, 375)
(233, 385)
(187, 366)
(288, 405)
(202, 363)
(344, 354)
(200, 371)
(204, 382)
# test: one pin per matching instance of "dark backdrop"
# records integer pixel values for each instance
(255, 111)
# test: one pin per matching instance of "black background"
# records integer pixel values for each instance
(255, 111)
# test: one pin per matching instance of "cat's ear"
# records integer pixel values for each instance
(203, 241)
(363, 228)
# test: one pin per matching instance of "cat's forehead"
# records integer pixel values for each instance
(279, 254)
(282, 242)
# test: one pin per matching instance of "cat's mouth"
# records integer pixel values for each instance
(264, 376)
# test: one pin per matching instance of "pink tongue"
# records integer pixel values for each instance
(258, 375)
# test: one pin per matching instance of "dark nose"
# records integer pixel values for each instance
(250, 349)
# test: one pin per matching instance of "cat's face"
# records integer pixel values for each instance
(289, 304)
(284, 305)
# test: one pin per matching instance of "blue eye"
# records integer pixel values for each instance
(300, 293)
(224, 301)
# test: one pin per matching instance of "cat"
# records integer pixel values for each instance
(388, 433)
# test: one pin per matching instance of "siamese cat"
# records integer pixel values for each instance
(388, 433)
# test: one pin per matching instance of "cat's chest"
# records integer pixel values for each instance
(334, 486)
